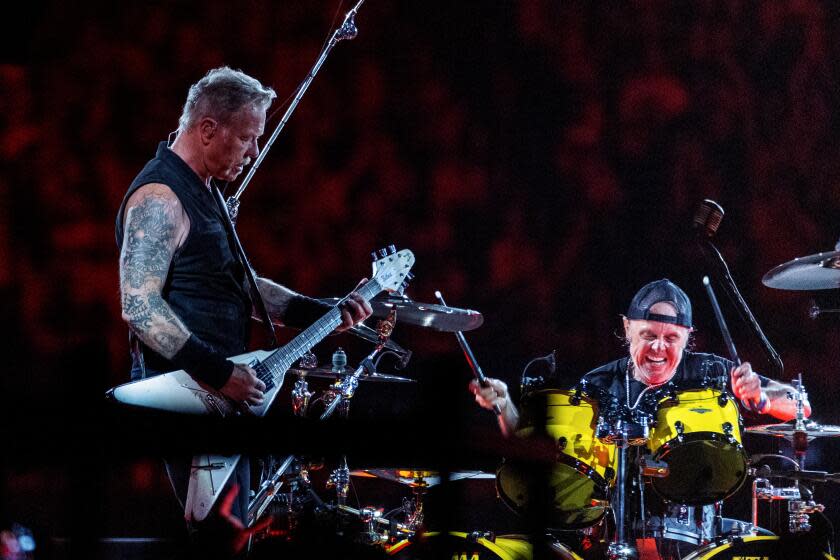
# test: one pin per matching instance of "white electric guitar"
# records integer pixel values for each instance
(178, 391)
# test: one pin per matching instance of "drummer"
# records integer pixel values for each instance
(657, 329)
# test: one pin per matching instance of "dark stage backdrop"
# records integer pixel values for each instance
(542, 160)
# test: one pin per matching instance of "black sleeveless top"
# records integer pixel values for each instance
(206, 285)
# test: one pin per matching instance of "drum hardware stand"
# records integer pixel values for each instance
(800, 435)
(620, 549)
(301, 393)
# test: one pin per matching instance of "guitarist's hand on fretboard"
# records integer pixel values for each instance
(354, 309)
(244, 386)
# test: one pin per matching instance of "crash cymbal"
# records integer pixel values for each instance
(787, 429)
(814, 272)
(437, 317)
(328, 373)
(418, 478)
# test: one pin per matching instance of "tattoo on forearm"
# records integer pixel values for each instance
(138, 312)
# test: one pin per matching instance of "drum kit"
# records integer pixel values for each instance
(685, 445)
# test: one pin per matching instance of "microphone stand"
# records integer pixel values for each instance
(346, 31)
(710, 222)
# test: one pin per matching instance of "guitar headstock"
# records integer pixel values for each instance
(391, 268)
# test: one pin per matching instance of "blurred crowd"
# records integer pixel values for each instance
(542, 159)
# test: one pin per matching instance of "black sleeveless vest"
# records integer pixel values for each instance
(206, 285)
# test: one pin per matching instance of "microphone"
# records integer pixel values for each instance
(708, 217)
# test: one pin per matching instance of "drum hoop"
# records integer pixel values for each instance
(585, 470)
(676, 442)
(725, 543)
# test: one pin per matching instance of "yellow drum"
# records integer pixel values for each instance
(466, 546)
(762, 548)
(698, 433)
(585, 468)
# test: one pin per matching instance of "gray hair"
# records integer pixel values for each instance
(220, 93)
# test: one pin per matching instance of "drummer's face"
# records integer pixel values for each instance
(656, 348)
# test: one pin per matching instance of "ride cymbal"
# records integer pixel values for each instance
(814, 272)
(416, 477)
(787, 429)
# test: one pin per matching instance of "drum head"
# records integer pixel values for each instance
(570, 495)
(712, 469)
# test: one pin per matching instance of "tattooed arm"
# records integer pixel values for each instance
(292, 309)
(156, 225)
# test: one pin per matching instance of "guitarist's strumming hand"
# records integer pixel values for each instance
(354, 309)
(244, 386)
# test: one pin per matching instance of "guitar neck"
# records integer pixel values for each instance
(282, 359)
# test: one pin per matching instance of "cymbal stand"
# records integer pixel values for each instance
(800, 434)
(338, 396)
(620, 549)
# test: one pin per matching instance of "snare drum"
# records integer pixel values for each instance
(473, 546)
(760, 547)
(698, 434)
(585, 467)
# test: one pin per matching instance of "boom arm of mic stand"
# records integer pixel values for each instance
(714, 256)
(346, 31)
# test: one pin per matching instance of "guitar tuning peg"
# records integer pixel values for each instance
(374, 257)
(383, 252)
(391, 249)
(409, 277)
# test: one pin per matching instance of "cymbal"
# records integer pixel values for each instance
(787, 429)
(431, 315)
(814, 272)
(328, 373)
(416, 478)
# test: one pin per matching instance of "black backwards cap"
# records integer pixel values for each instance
(661, 291)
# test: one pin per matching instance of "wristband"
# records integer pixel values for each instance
(763, 405)
(198, 359)
(302, 311)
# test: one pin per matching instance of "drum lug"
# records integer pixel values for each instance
(474, 536)
(561, 443)
(723, 398)
(680, 428)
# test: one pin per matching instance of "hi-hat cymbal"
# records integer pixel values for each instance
(417, 477)
(438, 317)
(787, 429)
(328, 373)
(814, 272)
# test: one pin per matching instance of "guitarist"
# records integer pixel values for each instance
(184, 286)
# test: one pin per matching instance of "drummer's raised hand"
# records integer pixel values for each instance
(496, 394)
(746, 384)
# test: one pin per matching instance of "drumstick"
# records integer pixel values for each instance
(724, 331)
(476, 369)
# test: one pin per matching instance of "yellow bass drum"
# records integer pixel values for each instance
(585, 467)
(698, 433)
(760, 548)
(470, 546)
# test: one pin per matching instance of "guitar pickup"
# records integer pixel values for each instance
(209, 466)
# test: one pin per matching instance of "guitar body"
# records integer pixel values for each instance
(178, 391)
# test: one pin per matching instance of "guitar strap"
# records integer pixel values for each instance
(256, 297)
